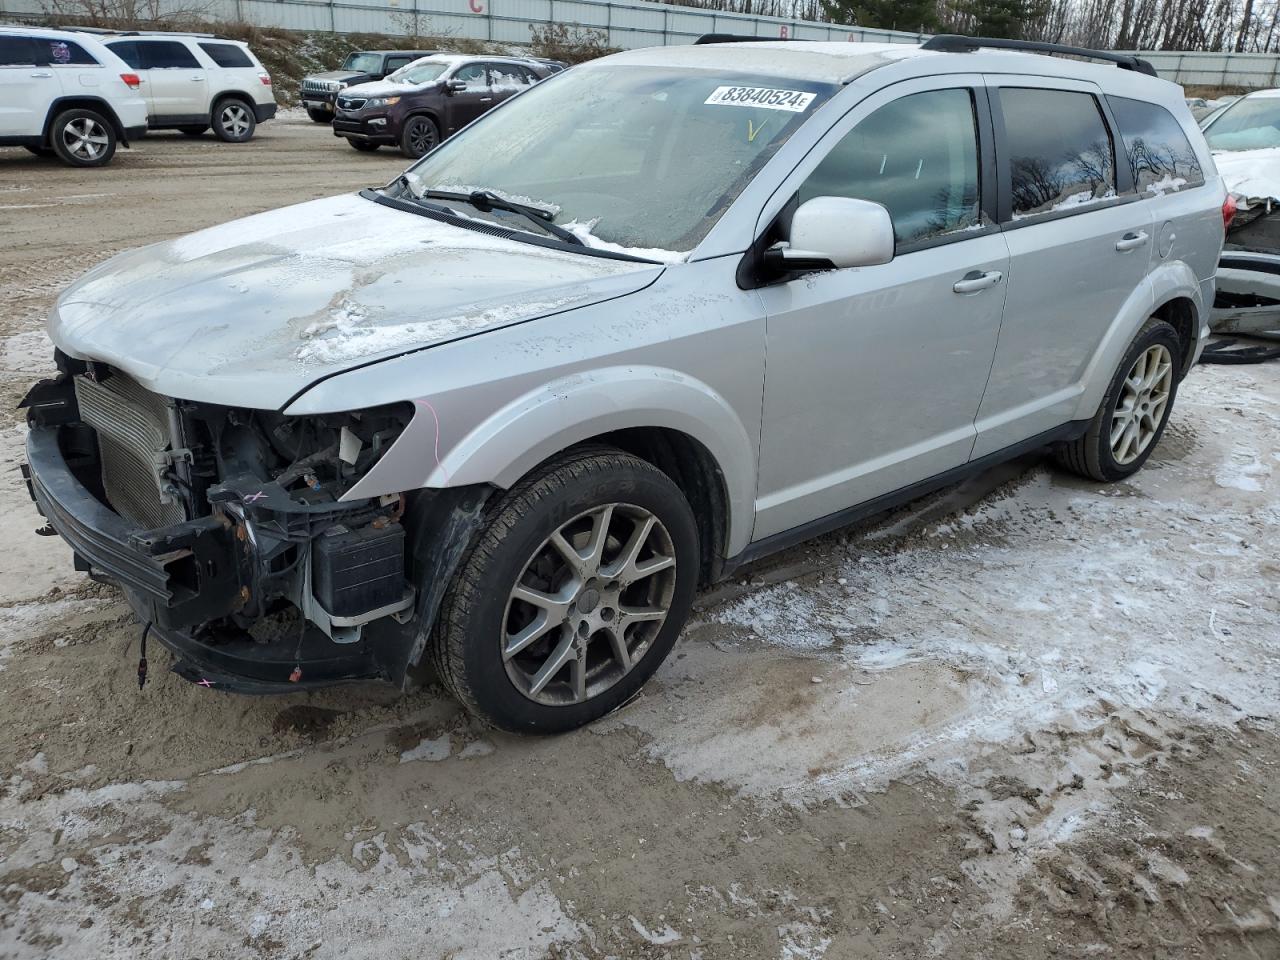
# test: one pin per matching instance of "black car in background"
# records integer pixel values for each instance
(320, 90)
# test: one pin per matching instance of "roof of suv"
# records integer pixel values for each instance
(840, 62)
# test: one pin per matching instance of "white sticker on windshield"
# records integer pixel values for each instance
(794, 101)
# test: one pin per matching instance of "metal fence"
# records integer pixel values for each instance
(627, 23)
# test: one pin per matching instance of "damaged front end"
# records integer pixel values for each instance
(228, 531)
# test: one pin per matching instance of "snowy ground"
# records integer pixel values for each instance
(1028, 717)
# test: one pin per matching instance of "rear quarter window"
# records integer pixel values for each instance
(1160, 155)
(227, 54)
(64, 52)
(1060, 152)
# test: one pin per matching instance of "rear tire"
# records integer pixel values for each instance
(1135, 410)
(194, 131)
(364, 146)
(420, 134)
(83, 138)
(318, 116)
(534, 641)
(233, 120)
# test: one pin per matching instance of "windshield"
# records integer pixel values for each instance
(639, 159)
(418, 74)
(363, 62)
(1250, 124)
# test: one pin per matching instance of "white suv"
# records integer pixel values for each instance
(196, 81)
(64, 93)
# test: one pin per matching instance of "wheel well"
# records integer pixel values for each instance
(695, 471)
(81, 103)
(229, 95)
(421, 112)
(1181, 315)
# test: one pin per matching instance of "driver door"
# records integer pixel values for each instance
(874, 375)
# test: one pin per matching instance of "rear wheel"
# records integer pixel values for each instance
(572, 596)
(318, 116)
(195, 131)
(1135, 410)
(233, 120)
(364, 146)
(420, 134)
(83, 138)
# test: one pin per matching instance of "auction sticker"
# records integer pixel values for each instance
(794, 101)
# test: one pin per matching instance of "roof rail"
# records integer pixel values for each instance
(107, 31)
(736, 38)
(953, 43)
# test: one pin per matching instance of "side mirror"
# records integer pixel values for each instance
(836, 232)
(455, 86)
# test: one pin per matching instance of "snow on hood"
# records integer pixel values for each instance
(254, 311)
(383, 88)
(1252, 175)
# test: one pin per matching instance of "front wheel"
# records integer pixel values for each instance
(1135, 410)
(83, 138)
(420, 134)
(319, 116)
(233, 120)
(573, 595)
(364, 146)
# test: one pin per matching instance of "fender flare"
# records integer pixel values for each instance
(532, 428)
(1172, 280)
(60, 104)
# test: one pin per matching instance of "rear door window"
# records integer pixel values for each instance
(1160, 154)
(917, 156)
(1060, 156)
(226, 54)
(167, 55)
(17, 51)
(507, 75)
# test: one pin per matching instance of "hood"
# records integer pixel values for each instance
(381, 88)
(335, 75)
(1252, 175)
(253, 312)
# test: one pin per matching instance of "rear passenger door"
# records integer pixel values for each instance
(508, 79)
(1079, 249)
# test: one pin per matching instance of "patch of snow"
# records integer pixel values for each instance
(1253, 176)
(658, 937)
(431, 750)
(583, 232)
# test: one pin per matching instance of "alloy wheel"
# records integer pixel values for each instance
(235, 119)
(85, 138)
(588, 604)
(421, 136)
(1144, 397)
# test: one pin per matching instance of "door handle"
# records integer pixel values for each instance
(42, 74)
(197, 79)
(1132, 241)
(486, 99)
(976, 281)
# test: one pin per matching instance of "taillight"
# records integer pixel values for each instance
(265, 78)
(1228, 211)
(131, 80)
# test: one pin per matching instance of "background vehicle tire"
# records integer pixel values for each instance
(194, 131)
(318, 116)
(41, 151)
(1135, 410)
(83, 138)
(420, 134)
(572, 596)
(364, 146)
(233, 120)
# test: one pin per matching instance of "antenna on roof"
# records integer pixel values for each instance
(953, 43)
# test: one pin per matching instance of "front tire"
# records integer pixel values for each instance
(1135, 410)
(318, 116)
(364, 146)
(233, 120)
(572, 596)
(420, 134)
(83, 138)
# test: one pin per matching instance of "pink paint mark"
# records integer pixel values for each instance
(204, 683)
(436, 450)
(255, 497)
(476, 6)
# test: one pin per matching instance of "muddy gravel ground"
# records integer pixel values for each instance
(1029, 717)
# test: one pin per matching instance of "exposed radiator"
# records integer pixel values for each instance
(132, 425)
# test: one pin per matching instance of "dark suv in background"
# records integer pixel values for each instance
(418, 106)
(319, 90)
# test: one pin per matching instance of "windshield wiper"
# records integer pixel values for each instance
(486, 200)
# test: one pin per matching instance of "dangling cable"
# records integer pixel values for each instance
(142, 661)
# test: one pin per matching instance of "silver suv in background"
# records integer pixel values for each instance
(658, 316)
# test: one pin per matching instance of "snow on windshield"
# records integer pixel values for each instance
(1249, 124)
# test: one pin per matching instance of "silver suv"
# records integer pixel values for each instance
(653, 319)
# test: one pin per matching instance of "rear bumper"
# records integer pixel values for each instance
(264, 111)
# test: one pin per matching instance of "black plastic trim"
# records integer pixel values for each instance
(896, 498)
(955, 43)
